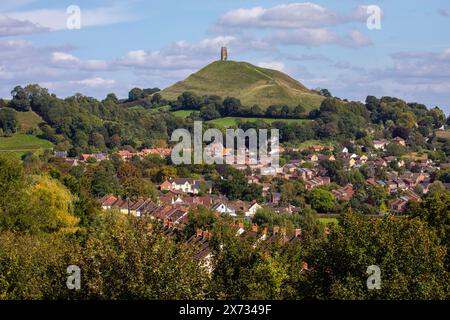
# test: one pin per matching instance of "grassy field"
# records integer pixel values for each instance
(415, 156)
(21, 143)
(309, 143)
(249, 83)
(444, 134)
(232, 121)
(328, 220)
(28, 120)
(182, 113)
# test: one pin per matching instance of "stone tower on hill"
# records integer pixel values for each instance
(224, 54)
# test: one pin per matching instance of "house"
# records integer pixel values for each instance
(380, 144)
(251, 211)
(172, 199)
(125, 154)
(313, 158)
(270, 171)
(392, 185)
(165, 186)
(325, 157)
(400, 141)
(72, 162)
(60, 154)
(185, 185)
(275, 197)
(223, 208)
(311, 184)
(363, 158)
(316, 148)
(344, 193)
(289, 168)
(306, 174)
(107, 201)
(162, 152)
(97, 156)
(349, 162)
(253, 179)
(398, 205)
(203, 253)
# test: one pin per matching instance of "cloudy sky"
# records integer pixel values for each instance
(326, 44)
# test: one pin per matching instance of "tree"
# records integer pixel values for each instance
(101, 179)
(111, 97)
(8, 120)
(232, 106)
(325, 93)
(139, 188)
(410, 260)
(438, 117)
(407, 120)
(20, 99)
(436, 187)
(51, 207)
(126, 258)
(322, 200)
(434, 209)
(135, 94)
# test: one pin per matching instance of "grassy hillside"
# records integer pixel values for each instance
(28, 120)
(21, 143)
(249, 83)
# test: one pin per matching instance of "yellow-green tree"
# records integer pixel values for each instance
(50, 206)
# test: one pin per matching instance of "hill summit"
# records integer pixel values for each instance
(247, 82)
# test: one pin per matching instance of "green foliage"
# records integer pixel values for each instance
(8, 120)
(236, 187)
(411, 262)
(322, 200)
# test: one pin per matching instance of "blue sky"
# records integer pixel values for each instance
(326, 44)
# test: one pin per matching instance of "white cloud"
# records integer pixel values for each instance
(357, 39)
(56, 19)
(294, 15)
(305, 24)
(62, 56)
(14, 27)
(289, 16)
(308, 37)
(317, 37)
(95, 82)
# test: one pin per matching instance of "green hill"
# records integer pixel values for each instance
(249, 83)
(28, 120)
(20, 143)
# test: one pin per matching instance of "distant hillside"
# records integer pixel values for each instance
(28, 120)
(249, 83)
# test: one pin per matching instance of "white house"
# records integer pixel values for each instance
(224, 209)
(252, 210)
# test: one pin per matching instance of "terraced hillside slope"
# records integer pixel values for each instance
(247, 82)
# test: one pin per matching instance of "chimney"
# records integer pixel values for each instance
(298, 232)
(255, 228)
(241, 225)
(199, 232)
(223, 54)
(276, 230)
(206, 234)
